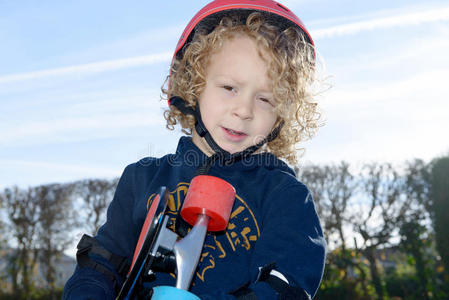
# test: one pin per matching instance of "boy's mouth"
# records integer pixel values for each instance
(234, 132)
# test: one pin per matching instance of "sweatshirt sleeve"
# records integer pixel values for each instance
(116, 235)
(292, 239)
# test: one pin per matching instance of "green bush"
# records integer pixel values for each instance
(405, 286)
(38, 294)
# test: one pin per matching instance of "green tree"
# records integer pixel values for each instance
(440, 208)
(413, 242)
(412, 223)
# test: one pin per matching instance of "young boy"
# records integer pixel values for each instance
(240, 86)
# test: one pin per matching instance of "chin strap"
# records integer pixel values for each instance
(220, 154)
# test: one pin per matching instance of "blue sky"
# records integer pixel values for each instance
(80, 83)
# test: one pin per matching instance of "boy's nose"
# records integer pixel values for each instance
(243, 107)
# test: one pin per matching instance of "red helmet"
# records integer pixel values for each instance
(280, 14)
(209, 17)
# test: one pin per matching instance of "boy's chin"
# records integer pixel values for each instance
(232, 150)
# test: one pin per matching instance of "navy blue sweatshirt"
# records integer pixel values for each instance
(273, 220)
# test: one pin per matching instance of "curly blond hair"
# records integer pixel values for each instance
(291, 70)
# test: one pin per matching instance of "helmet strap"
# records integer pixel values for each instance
(219, 153)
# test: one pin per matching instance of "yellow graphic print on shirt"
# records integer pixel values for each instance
(241, 234)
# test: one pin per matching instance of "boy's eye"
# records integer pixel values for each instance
(266, 100)
(228, 88)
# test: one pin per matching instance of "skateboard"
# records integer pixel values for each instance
(207, 207)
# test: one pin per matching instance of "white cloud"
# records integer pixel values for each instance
(80, 116)
(58, 167)
(412, 70)
(91, 67)
(430, 84)
(417, 53)
(387, 104)
(385, 121)
(408, 19)
(74, 128)
(39, 172)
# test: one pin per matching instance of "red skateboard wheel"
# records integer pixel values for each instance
(211, 196)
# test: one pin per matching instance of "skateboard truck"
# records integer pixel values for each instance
(188, 251)
(207, 207)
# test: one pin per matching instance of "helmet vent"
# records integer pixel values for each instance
(283, 7)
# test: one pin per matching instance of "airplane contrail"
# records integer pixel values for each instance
(95, 67)
(408, 19)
